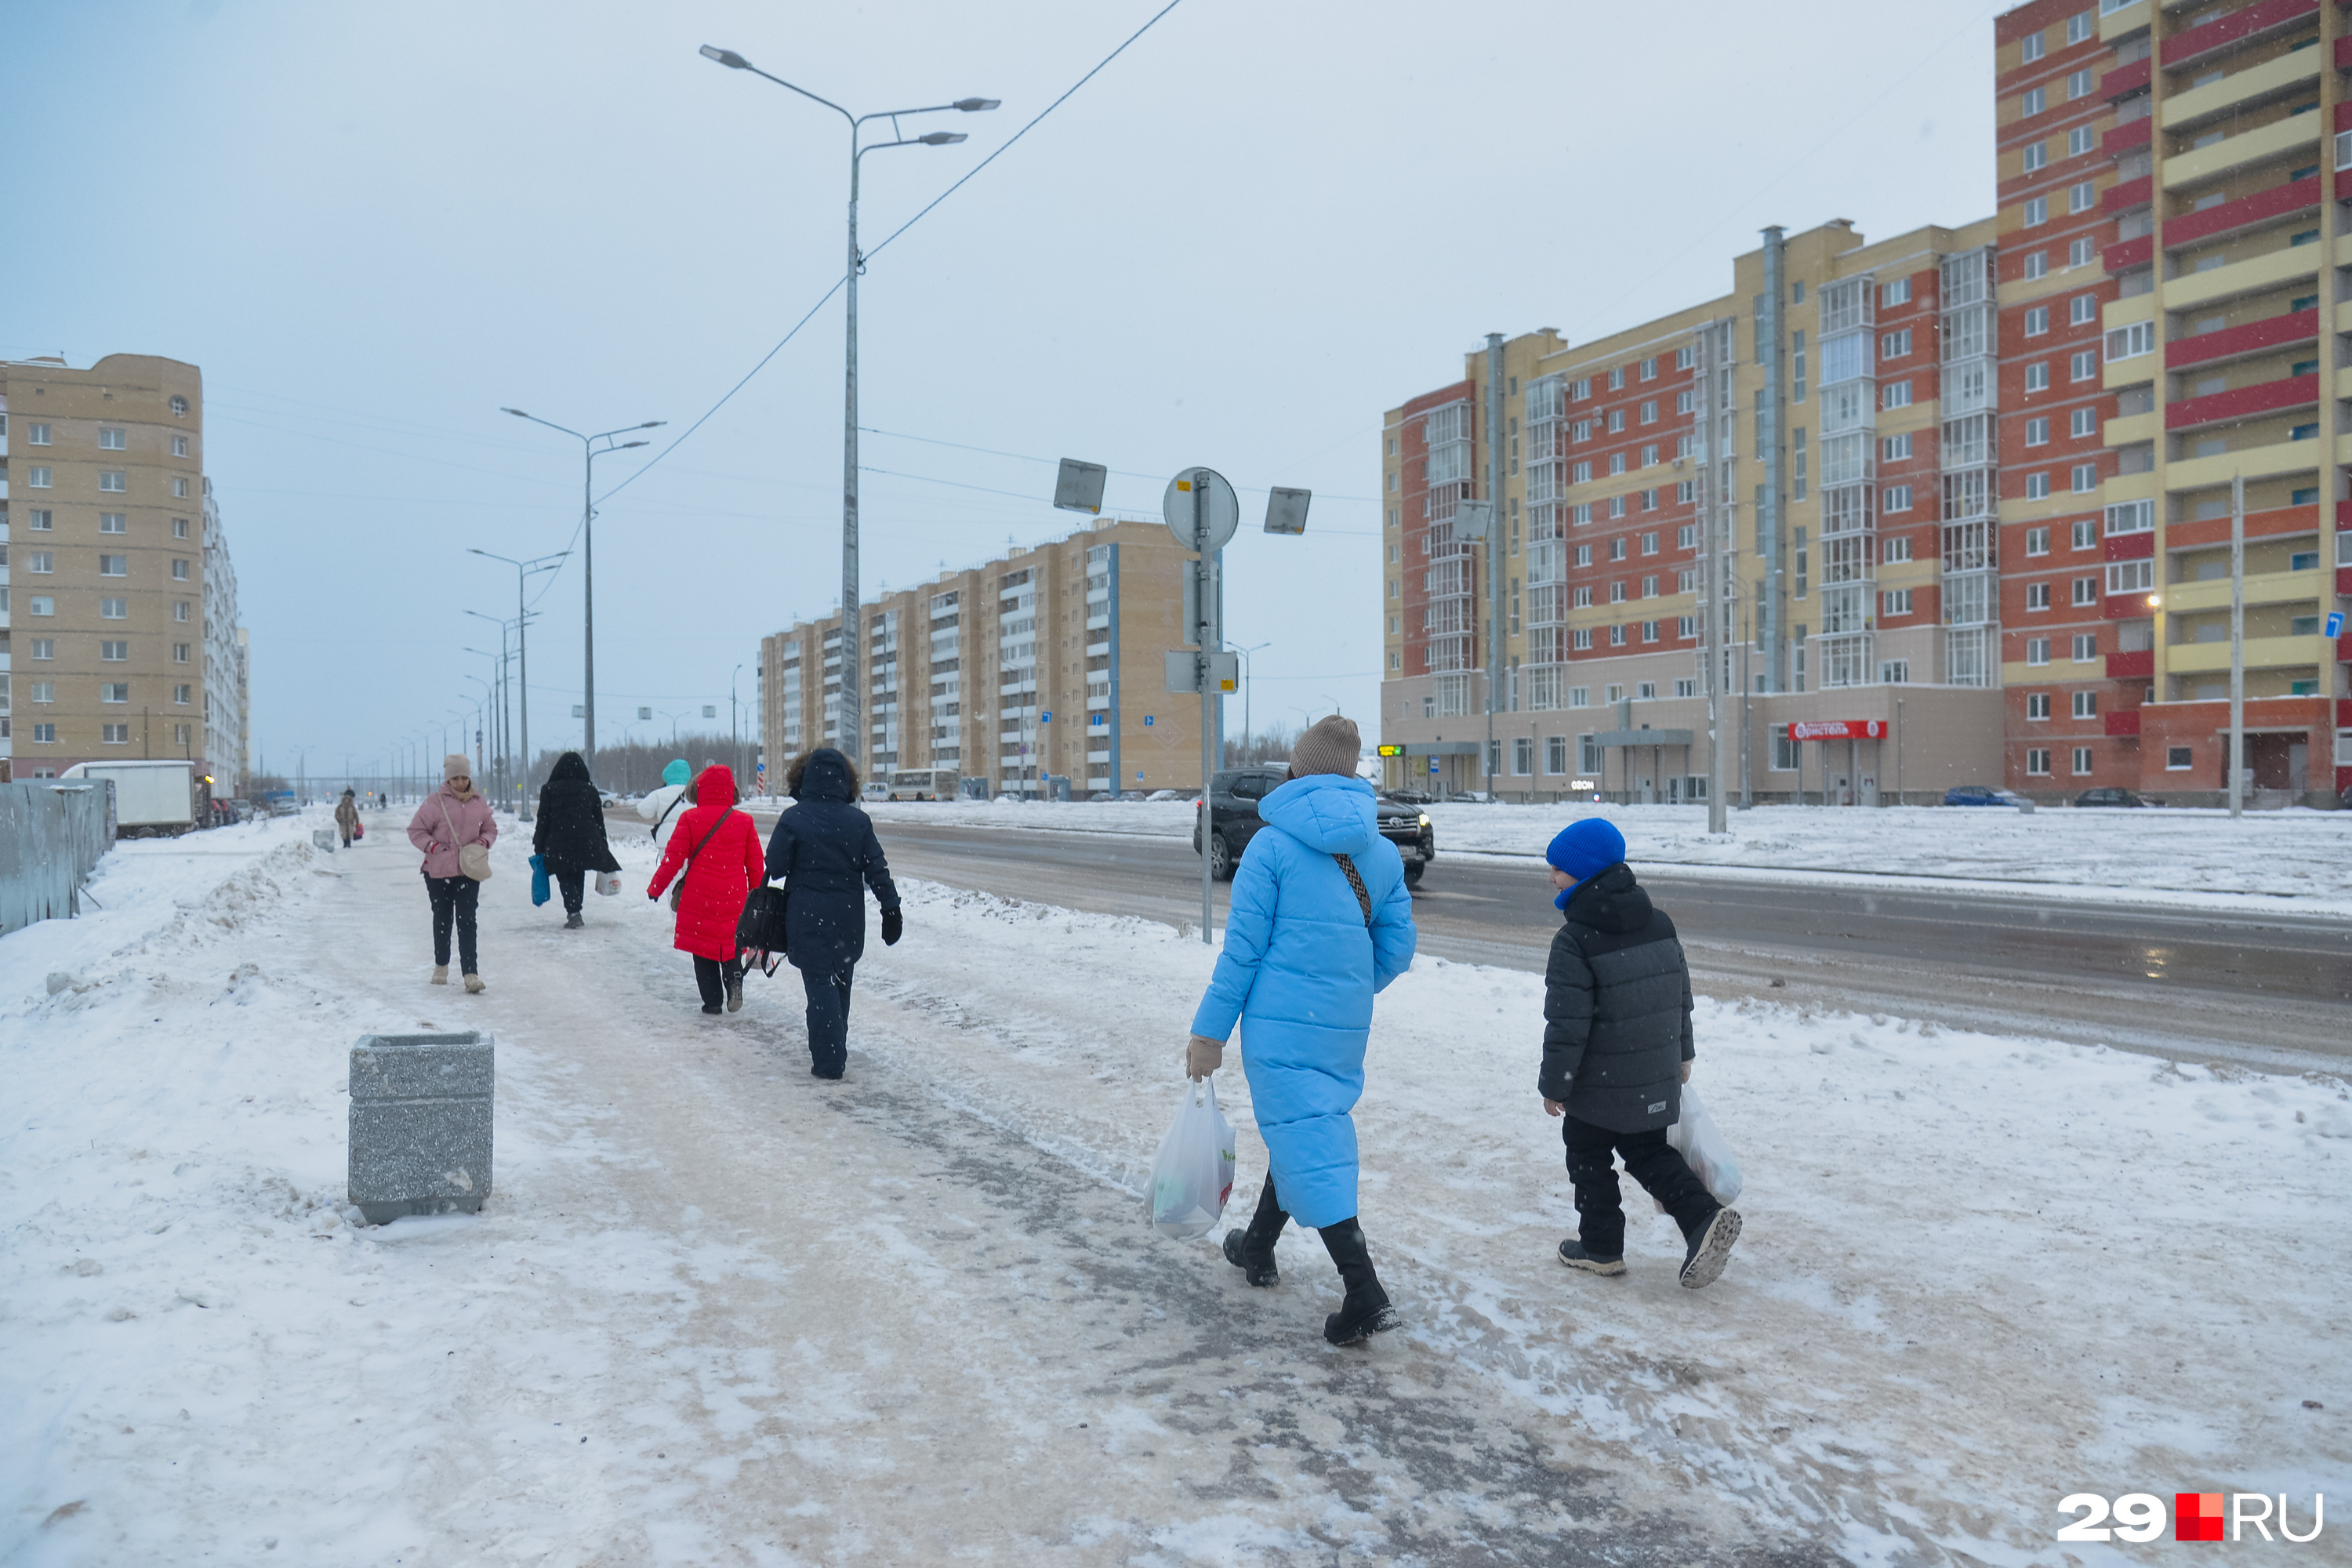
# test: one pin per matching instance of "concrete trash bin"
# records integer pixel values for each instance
(420, 1129)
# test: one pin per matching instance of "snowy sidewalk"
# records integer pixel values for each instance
(718, 1314)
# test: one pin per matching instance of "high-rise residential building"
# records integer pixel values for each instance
(1812, 452)
(1045, 663)
(119, 592)
(2172, 186)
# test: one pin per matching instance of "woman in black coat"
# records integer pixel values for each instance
(822, 848)
(570, 833)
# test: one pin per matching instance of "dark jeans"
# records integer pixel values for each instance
(574, 886)
(714, 977)
(828, 1020)
(454, 898)
(1649, 1160)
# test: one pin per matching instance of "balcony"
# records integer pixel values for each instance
(2261, 653)
(2298, 134)
(2124, 313)
(2123, 80)
(2123, 722)
(2272, 78)
(2129, 546)
(2225, 34)
(2132, 136)
(2124, 194)
(2243, 403)
(2277, 205)
(2140, 666)
(2237, 279)
(2129, 430)
(2261, 588)
(2128, 254)
(2253, 462)
(2239, 342)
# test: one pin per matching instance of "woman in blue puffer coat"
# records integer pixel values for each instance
(1320, 921)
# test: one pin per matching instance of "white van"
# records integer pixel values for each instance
(151, 799)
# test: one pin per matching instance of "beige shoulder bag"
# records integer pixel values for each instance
(473, 859)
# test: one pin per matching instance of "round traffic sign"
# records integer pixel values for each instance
(1201, 492)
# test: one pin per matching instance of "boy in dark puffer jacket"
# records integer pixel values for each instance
(1617, 1050)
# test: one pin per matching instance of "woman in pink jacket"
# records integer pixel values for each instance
(453, 815)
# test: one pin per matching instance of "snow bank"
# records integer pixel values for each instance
(2302, 854)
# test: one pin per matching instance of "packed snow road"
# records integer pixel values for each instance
(2264, 988)
(717, 1312)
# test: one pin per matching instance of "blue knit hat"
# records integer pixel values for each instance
(677, 772)
(1585, 846)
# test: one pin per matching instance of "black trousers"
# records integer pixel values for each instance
(828, 1019)
(713, 978)
(574, 886)
(454, 899)
(1649, 1159)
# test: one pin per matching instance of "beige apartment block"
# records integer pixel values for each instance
(120, 637)
(1810, 453)
(1045, 664)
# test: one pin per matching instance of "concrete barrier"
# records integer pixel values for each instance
(51, 837)
(420, 1123)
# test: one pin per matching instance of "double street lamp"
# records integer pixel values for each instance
(592, 451)
(524, 569)
(850, 726)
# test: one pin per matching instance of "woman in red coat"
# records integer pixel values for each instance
(718, 851)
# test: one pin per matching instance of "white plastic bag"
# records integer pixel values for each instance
(1700, 1141)
(1193, 1174)
(608, 882)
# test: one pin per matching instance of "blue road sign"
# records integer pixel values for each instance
(1147, 719)
(1046, 717)
(2336, 623)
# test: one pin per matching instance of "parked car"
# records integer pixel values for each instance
(2110, 795)
(1472, 797)
(876, 791)
(1234, 821)
(1985, 795)
(1411, 797)
(1191, 795)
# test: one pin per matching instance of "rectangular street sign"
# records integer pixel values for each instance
(1391, 751)
(1224, 671)
(1838, 730)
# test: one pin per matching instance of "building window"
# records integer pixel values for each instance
(2131, 576)
(1523, 755)
(1617, 379)
(2131, 341)
(2087, 705)
(114, 691)
(40, 520)
(1896, 293)
(2037, 487)
(2082, 422)
(45, 734)
(2086, 590)
(114, 734)
(179, 487)
(1685, 631)
(45, 647)
(2037, 705)
(2037, 596)
(1582, 638)
(114, 609)
(111, 440)
(1784, 750)
(1894, 346)
(2082, 762)
(180, 653)
(1894, 395)
(2037, 432)
(179, 526)
(113, 651)
(180, 693)
(41, 604)
(2085, 363)
(2178, 759)
(179, 446)
(2037, 541)
(179, 571)
(2037, 376)
(2084, 532)
(37, 479)
(2078, 252)
(2037, 651)
(2086, 647)
(2037, 762)
(180, 408)
(2087, 478)
(112, 522)
(2037, 320)
(2037, 153)
(114, 566)
(37, 434)
(112, 480)
(1617, 637)
(2078, 84)
(1895, 448)
(1894, 498)
(2034, 102)
(2037, 211)
(2081, 197)
(179, 609)
(2037, 265)
(1895, 602)
(40, 561)
(2082, 309)
(1899, 547)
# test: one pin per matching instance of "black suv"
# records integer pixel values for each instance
(1233, 798)
(2109, 795)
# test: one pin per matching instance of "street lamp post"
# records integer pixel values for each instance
(734, 729)
(850, 729)
(523, 569)
(590, 451)
(1249, 730)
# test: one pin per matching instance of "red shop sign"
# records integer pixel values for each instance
(1838, 730)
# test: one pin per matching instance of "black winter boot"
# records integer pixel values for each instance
(1366, 1312)
(1252, 1250)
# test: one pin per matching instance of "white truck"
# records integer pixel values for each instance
(151, 799)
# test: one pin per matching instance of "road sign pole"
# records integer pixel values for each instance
(1201, 597)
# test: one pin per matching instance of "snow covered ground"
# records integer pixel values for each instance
(2305, 856)
(717, 1313)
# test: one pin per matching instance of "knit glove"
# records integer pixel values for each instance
(1202, 1056)
(893, 924)
(1686, 1067)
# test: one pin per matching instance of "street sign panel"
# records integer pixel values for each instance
(1079, 486)
(1473, 518)
(1391, 751)
(1183, 673)
(1286, 510)
(2336, 623)
(1220, 509)
(1046, 717)
(1838, 730)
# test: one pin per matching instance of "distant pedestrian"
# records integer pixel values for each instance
(663, 807)
(1617, 1050)
(347, 817)
(822, 848)
(1320, 922)
(570, 833)
(714, 855)
(452, 819)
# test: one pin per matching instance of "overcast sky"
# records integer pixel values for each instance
(1254, 231)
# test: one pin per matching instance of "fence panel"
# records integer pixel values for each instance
(51, 837)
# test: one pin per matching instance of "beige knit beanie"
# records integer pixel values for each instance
(456, 765)
(1330, 746)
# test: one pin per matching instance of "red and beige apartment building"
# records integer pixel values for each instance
(1962, 496)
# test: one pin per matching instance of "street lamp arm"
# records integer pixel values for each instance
(549, 423)
(804, 93)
